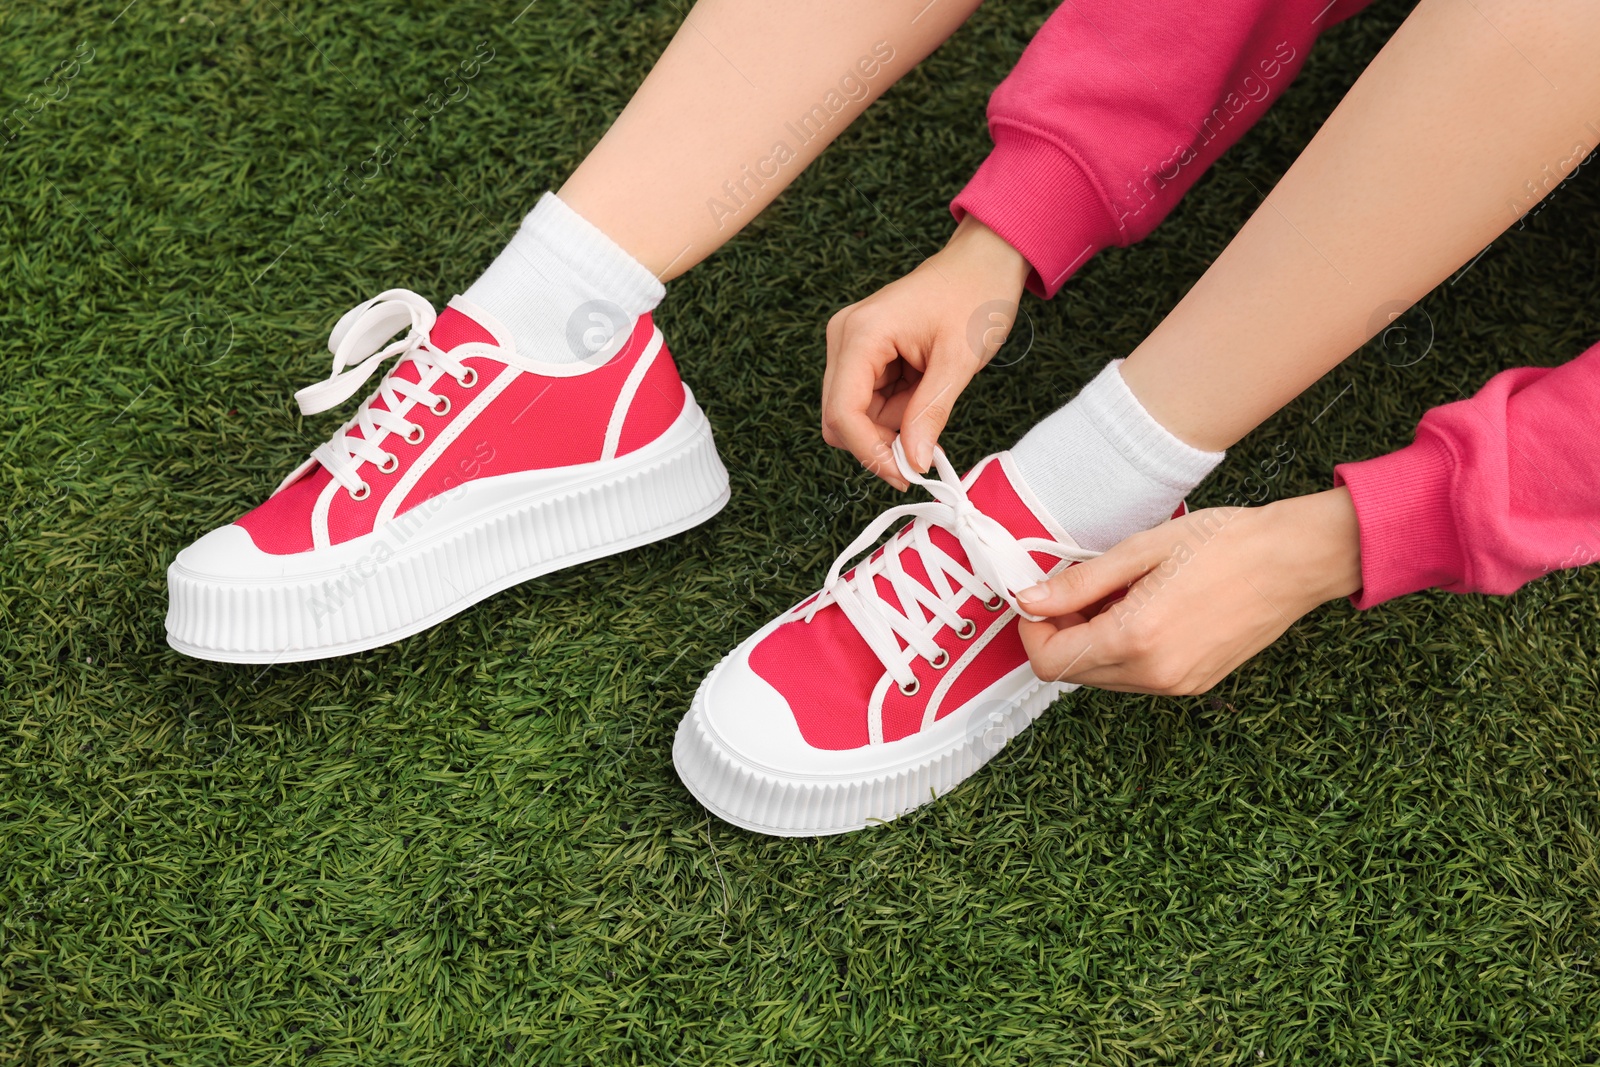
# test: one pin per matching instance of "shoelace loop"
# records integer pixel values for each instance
(1000, 565)
(360, 343)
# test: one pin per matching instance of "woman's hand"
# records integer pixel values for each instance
(1204, 593)
(898, 360)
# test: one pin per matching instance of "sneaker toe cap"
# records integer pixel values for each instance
(228, 552)
(749, 719)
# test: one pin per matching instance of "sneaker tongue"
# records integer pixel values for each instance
(993, 494)
(997, 498)
(457, 328)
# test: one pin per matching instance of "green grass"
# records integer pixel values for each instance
(1374, 843)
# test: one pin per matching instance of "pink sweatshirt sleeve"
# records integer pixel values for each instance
(1117, 107)
(1494, 492)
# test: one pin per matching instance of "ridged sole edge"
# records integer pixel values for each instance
(271, 623)
(806, 807)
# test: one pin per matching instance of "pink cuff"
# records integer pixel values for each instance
(1031, 192)
(1404, 506)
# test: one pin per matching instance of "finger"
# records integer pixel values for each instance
(835, 328)
(1072, 653)
(870, 442)
(835, 345)
(1114, 679)
(890, 391)
(946, 375)
(877, 454)
(888, 406)
(847, 410)
(1134, 676)
(1083, 585)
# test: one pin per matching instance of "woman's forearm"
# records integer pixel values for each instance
(1496, 490)
(1470, 114)
(1117, 108)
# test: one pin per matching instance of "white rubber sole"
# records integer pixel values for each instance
(411, 574)
(935, 761)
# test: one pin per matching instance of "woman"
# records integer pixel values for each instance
(539, 420)
(904, 674)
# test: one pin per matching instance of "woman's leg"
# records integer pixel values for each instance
(1465, 120)
(1469, 115)
(744, 98)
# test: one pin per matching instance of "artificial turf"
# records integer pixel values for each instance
(1374, 843)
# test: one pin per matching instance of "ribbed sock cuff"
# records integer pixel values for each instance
(542, 285)
(1111, 408)
(589, 256)
(1104, 467)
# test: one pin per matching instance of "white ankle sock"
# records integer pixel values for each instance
(566, 291)
(1104, 467)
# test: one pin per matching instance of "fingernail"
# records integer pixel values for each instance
(1034, 593)
(924, 457)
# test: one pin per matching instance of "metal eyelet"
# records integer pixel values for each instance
(469, 379)
(967, 629)
(362, 492)
(440, 407)
(390, 464)
(996, 603)
(911, 692)
(415, 435)
(940, 660)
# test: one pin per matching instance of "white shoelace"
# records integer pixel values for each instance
(358, 348)
(1000, 566)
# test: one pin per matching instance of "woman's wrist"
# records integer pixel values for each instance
(1324, 535)
(974, 243)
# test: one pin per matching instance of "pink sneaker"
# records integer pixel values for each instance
(471, 468)
(893, 684)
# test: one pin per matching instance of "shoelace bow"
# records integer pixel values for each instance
(358, 347)
(1000, 565)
